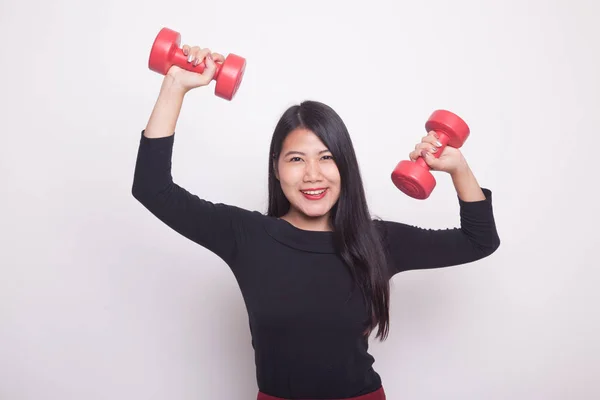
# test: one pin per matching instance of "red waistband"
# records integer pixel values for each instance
(379, 394)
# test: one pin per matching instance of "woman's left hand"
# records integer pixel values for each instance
(450, 160)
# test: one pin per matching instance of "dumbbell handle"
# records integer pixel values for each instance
(178, 58)
(443, 139)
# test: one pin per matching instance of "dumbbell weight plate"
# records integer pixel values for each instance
(413, 180)
(166, 42)
(230, 76)
(451, 125)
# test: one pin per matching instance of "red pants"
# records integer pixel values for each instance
(376, 395)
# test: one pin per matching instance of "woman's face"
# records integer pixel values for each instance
(309, 178)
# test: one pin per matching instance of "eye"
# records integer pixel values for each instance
(329, 157)
(294, 159)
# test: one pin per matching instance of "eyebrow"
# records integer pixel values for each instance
(303, 154)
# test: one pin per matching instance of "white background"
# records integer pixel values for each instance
(99, 300)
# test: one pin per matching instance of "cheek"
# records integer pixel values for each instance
(333, 175)
(289, 177)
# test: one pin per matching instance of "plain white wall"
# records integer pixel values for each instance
(99, 300)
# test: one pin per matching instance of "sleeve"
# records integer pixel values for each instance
(411, 247)
(217, 227)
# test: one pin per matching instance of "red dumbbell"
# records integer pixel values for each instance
(166, 52)
(415, 178)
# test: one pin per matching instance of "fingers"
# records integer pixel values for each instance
(218, 57)
(432, 161)
(429, 145)
(427, 152)
(210, 69)
(421, 149)
(191, 52)
(196, 55)
(432, 138)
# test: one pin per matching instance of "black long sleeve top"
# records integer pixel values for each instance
(307, 332)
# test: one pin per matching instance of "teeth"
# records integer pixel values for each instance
(313, 192)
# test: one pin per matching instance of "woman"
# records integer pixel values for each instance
(298, 266)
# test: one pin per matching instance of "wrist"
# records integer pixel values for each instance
(466, 184)
(462, 169)
(171, 86)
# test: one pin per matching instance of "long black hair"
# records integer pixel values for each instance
(356, 237)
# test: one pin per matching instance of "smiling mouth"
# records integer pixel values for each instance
(314, 194)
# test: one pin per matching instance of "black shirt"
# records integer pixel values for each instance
(306, 328)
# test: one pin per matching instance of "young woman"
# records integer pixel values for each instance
(314, 271)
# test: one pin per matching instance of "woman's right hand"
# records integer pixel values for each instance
(188, 80)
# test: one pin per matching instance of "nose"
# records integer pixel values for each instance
(312, 172)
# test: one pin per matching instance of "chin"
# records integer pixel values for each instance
(315, 212)
(315, 215)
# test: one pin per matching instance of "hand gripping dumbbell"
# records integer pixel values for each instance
(166, 52)
(414, 178)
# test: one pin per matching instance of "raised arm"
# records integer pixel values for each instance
(412, 247)
(176, 84)
(215, 226)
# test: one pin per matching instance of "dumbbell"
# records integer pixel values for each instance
(414, 178)
(166, 52)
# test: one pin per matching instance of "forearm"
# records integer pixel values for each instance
(466, 184)
(163, 119)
